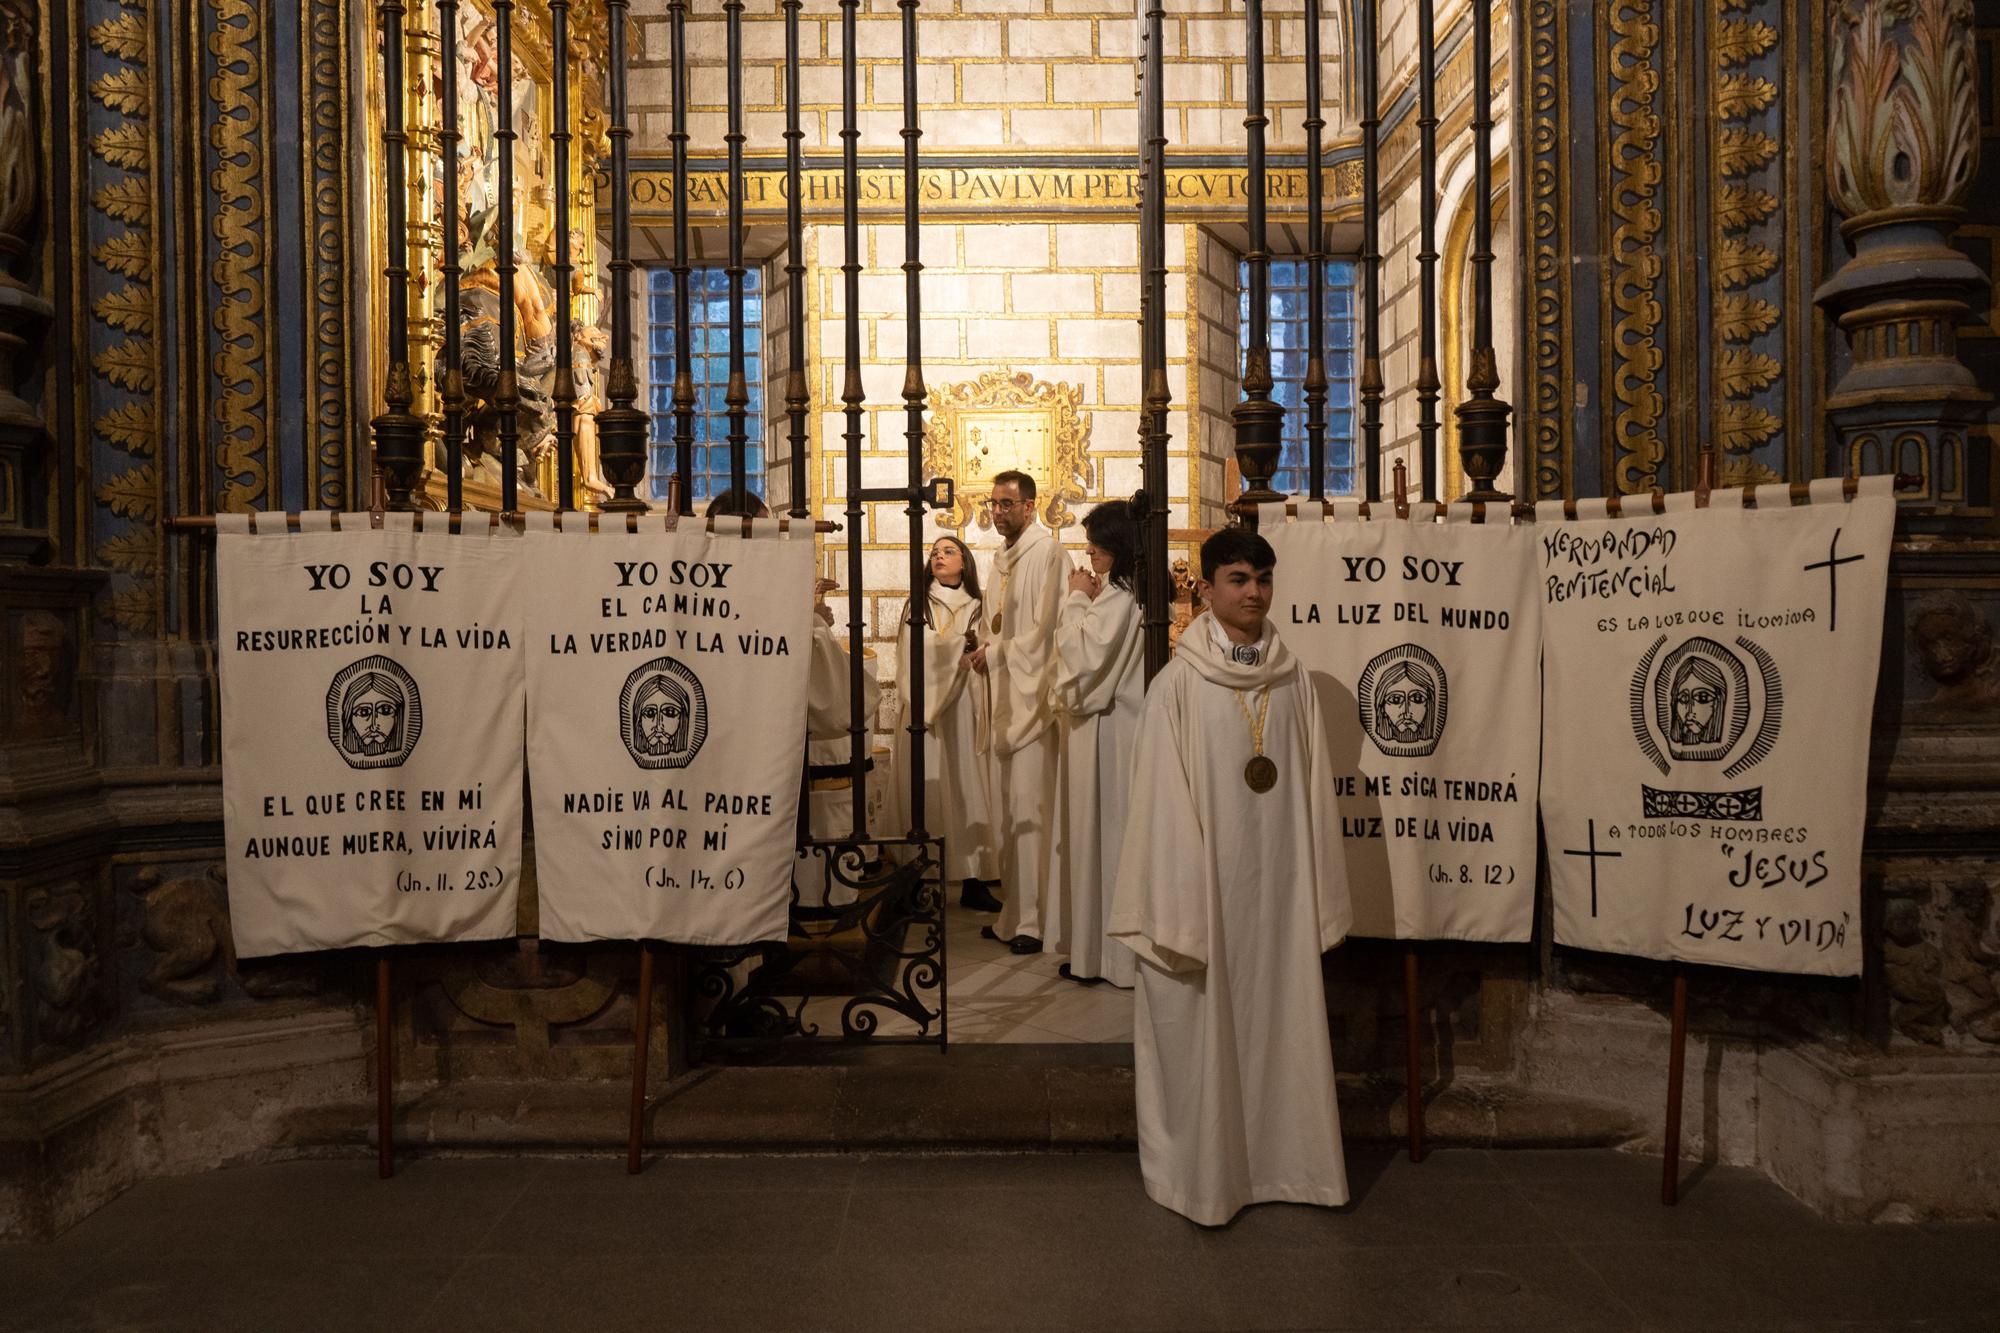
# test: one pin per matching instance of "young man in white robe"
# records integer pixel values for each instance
(1099, 686)
(957, 801)
(1029, 576)
(1229, 889)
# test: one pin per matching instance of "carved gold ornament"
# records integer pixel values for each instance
(1006, 421)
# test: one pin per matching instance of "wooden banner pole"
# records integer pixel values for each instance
(385, 1140)
(1670, 1146)
(642, 1040)
(1413, 1054)
(1670, 1153)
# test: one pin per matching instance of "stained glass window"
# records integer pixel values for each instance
(708, 332)
(1290, 299)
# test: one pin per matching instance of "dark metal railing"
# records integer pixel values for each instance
(1427, 251)
(621, 427)
(1260, 422)
(852, 396)
(681, 269)
(451, 380)
(1368, 39)
(798, 395)
(1482, 417)
(1315, 386)
(563, 391)
(1150, 507)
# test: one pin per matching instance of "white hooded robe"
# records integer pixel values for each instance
(1028, 579)
(1229, 897)
(958, 803)
(1099, 688)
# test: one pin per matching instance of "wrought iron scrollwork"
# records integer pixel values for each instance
(869, 933)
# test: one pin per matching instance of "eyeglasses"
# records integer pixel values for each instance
(1005, 505)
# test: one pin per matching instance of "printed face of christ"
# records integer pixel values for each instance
(660, 716)
(1698, 698)
(1240, 598)
(372, 716)
(1406, 704)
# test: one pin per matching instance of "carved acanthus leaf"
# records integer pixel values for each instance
(130, 552)
(1740, 152)
(1739, 206)
(123, 37)
(131, 608)
(122, 146)
(1743, 427)
(128, 308)
(1738, 319)
(129, 364)
(1739, 95)
(1746, 472)
(1744, 373)
(1740, 40)
(124, 90)
(129, 253)
(129, 426)
(128, 199)
(132, 493)
(1740, 263)
(1904, 127)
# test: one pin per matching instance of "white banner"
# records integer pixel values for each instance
(667, 731)
(371, 733)
(1709, 677)
(1422, 641)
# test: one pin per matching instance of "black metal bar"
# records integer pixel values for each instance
(1259, 421)
(1482, 417)
(737, 396)
(621, 427)
(913, 408)
(1367, 39)
(1427, 252)
(507, 400)
(1152, 514)
(798, 392)
(853, 396)
(1315, 386)
(564, 390)
(682, 270)
(450, 270)
(399, 435)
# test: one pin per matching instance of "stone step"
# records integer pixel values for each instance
(992, 1097)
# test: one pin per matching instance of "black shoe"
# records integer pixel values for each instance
(988, 933)
(1025, 944)
(1068, 975)
(976, 897)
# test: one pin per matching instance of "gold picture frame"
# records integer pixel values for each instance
(1009, 420)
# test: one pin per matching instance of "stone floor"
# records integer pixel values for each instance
(1525, 1239)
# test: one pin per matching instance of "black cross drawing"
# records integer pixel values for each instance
(1832, 565)
(1593, 854)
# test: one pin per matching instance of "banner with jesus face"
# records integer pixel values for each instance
(666, 730)
(1708, 683)
(1421, 641)
(371, 732)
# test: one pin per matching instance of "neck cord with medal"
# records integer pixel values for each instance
(1260, 774)
(1000, 596)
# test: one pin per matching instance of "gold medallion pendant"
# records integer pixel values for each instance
(996, 622)
(1260, 774)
